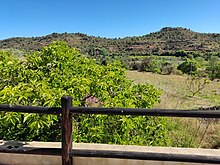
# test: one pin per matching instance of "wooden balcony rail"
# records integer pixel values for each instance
(67, 152)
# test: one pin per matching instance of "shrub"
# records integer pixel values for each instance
(213, 67)
(167, 68)
(150, 64)
(188, 66)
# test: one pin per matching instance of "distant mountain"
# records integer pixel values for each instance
(166, 40)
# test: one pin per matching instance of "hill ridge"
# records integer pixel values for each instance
(168, 39)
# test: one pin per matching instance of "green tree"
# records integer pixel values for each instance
(41, 78)
(189, 66)
(103, 52)
(213, 67)
(150, 64)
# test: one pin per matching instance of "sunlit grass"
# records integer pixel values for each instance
(175, 92)
(185, 132)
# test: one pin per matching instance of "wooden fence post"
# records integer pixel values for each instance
(66, 102)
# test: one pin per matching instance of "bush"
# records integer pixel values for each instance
(150, 64)
(167, 68)
(41, 78)
(188, 66)
(213, 67)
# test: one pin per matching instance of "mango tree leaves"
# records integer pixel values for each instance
(41, 78)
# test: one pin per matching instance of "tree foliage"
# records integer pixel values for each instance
(150, 64)
(189, 66)
(41, 78)
(213, 67)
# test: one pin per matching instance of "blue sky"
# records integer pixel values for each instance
(106, 18)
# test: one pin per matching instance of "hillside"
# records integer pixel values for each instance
(166, 40)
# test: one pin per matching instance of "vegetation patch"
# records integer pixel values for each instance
(42, 77)
(177, 94)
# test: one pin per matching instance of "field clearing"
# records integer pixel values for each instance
(175, 93)
(185, 132)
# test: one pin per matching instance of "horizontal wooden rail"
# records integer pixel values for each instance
(67, 110)
(147, 112)
(115, 111)
(30, 109)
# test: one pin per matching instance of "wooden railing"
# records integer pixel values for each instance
(67, 152)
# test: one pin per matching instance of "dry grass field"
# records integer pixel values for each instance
(185, 132)
(175, 93)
